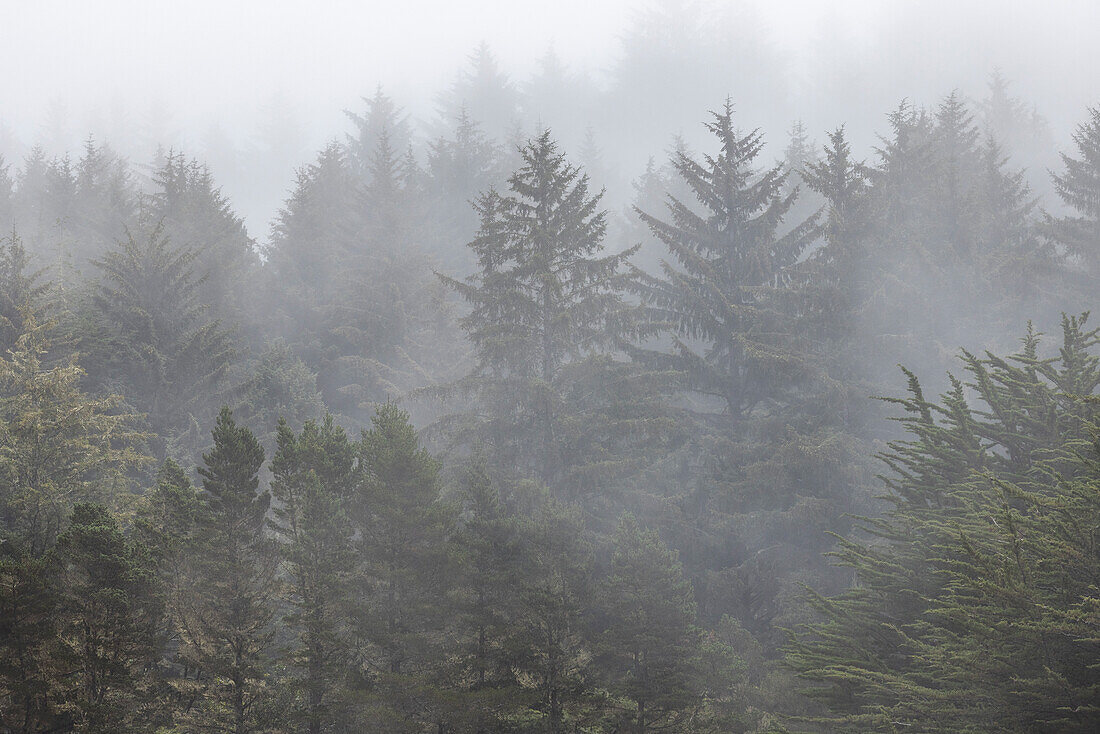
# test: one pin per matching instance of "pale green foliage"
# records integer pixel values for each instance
(58, 446)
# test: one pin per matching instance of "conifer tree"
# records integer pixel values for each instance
(190, 211)
(110, 618)
(383, 126)
(7, 195)
(402, 526)
(459, 167)
(544, 305)
(763, 444)
(282, 386)
(28, 627)
(58, 445)
(166, 524)
(314, 474)
(485, 92)
(958, 586)
(22, 294)
(150, 337)
(356, 300)
(550, 645)
(105, 202)
(713, 297)
(228, 610)
(488, 547)
(648, 649)
(1079, 187)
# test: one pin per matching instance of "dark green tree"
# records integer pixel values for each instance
(226, 619)
(28, 627)
(315, 473)
(648, 649)
(487, 549)
(961, 585)
(110, 613)
(549, 645)
(402, 526)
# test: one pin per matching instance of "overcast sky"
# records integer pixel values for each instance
(200, 63)
(224, 57)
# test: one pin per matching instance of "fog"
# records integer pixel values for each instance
(575, 367)
(223, 80)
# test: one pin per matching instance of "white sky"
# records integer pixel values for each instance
(200, 63)
(226, 57)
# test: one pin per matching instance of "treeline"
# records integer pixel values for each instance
(638, 442)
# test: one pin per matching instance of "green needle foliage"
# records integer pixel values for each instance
(975, 603)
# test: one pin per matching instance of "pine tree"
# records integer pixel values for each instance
(105, 202)
(459, 167)
(110, 618)
(7, 195)
(58, 445)
(28, 627)
(728, 339)
(959, 586)
(351, 293)
(549, 646)
(166, 523)
(281, 386)
(762, 448)
(149, 336)
(648, 649)
(1078, 186)
(843, 183)
(402, 526)
(226, 620)
(22, 294)
(383, 126)
(190, 211)
(800, 154)
(545, 307)
(315, 473)
(487, 548)
(486, 93)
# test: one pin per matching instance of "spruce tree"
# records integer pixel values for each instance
(58, 445)
(402, 526)
(190, 211)
(763, 449)
(1079, 187)
(648, 648)
(314, 475)
(487, 547)
(28, 633)
(714, 294)
(110, 620)
(228, 610)
(487, 94)
(22, 292)
(550, 644)
(546, 306)
(459, 167)
(149, 336)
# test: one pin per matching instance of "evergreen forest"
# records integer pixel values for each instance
(485, 435)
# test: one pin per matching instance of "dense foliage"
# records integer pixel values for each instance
(458, 449)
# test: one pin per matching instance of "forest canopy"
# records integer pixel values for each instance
(491, 434)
